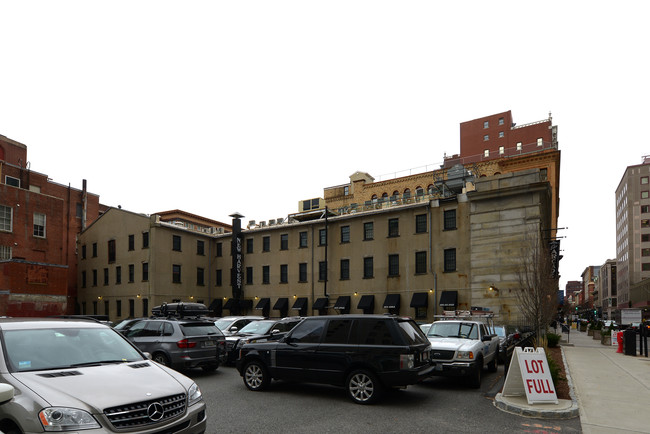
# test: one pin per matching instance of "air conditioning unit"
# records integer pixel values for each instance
(271, 222)
(262, 223)
(220, 230)
(280, 220)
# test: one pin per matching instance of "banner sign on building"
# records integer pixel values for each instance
(554, 247)
(530, 375)
(236, 250)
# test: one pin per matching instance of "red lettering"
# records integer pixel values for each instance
(528, 384)
(538, 383)
(550, 387)
(527, 367)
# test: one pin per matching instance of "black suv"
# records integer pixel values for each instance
(258, 331)
(363, 353)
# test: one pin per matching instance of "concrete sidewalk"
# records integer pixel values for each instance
(612, 389)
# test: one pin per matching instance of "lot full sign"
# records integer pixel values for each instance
(529, 374)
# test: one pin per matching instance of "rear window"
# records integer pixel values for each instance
(411, 333)
(376, 332)
(198, 329)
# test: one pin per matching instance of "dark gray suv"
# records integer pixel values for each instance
(363, 353)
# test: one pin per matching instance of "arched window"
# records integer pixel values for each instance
(384, 196)
(396, 193)
(430, 189)
(407, 193)
(419, 191)
(374, 198)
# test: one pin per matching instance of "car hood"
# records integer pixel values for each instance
(98, 387)
(451, 343)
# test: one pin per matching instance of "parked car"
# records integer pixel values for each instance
(508, 337)
(258, 331)
(126, 324)
(425, 327)
(83, 376)
(231, 324)
(180, 343)
(363, 353)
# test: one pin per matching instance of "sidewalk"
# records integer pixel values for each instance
(612, 390)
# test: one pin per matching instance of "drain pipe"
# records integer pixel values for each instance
(327, 241)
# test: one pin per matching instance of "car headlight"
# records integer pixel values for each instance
(61, 419)
(194, 394)
(466, 355)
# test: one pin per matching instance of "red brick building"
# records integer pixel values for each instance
(39, 223)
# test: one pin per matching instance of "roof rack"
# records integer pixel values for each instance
(180, 310)
(466, 314)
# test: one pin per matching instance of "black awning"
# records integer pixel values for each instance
(320, 303)
(449, 299)
(263, 303)
(342, 303)
(391, 301)
(246, 304)
(217, 304)
(420, 299)
(366, 302)
(229, 304)
(281, 304)
(301, 303)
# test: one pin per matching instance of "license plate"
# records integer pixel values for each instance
(438, 367)
(209, 344)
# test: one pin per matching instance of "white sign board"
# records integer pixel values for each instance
(529, 374)
(629, 316)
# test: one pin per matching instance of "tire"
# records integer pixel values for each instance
(256, 377)
(475, 378)
(362, 387)
(492, 366)
(161, 358)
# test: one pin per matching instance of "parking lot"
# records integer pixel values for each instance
(436, 405)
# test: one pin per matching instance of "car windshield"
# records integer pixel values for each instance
(43, 349)
(452, 329)
(500, 331)
(223, 323)
(257, 327)
(412, 333)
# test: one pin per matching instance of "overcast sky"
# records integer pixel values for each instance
(214, 107)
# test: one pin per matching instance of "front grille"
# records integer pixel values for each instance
(146, 412)
(442, 354)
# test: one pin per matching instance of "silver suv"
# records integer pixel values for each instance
(74, 375)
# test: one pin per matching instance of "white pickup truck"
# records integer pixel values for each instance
(462, 347)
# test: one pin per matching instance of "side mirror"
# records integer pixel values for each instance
(275, 331)
(487, 338)
(233, 329)
(147, 355)
(6, 392)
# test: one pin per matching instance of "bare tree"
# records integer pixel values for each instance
(538, 285)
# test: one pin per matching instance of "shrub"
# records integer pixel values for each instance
(554, 368)
(553, 339)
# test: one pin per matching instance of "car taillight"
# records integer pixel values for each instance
(517, 336)
(185, 343)
(406, 361)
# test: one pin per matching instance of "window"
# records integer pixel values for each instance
(645, 237)
(176, 243)
(644, 195)
(450, 260)
(145, 240)
(486, 124)
(322, 271)
(393, 265)
(420, 223)
(519, 146)
(79, 210)
(486, 138)
(302, 272)
(645, 223)
(345, 234)
(95, 248)
(83, 279)
(501, 121)
(39, 225)
(540, 141)
(346, 190)
(176, 273)
(322, 237)
(219, 250)
(118, 275)
(266, 244)
(644, 180)
(284, 242)
(407, 193)
(645, 252)
(302, 236)
(250, 245)
(10, 180)
(111, 251)
(200, 247)
(94, 277)
(393, 227)
(450, 219)
(200, 276)
(645, 266)
(6, 214)
(118, 307)
(131, 273)
(131, 242)
(284, 273)
(219, 278)
(266, 274)
(645, 209)
(420, 262)
(501, 134)
(486, 153)
(249, 275)
(83, 252)
(368, 231)
(502, 150)
(345, 269)
(368, 268)
(145, 271)
(5, 252)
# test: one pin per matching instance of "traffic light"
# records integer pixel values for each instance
(576, 308)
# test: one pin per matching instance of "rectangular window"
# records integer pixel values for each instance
(131, 273)
(540, 141)
(450, 260)
(486, 138)
(345, 234)
(645, 223)
(322, 237)
(368, 268)
(644, 195)
(145, 271)
(322, 271)
(393, 227)
(645, 266)
(83, 279)
(486, 153)
(219, 278)
(111, 251)
(420, 223)
(250, 248)
(393, 265)
(200, 276)
(5, 252)
(95, 249)
(145, 240)
(420, 262)
(501, 121)
(284, 242)
(39, 225)
(118, 275)
(345, 269)
(106, 308)
(644, 180)
(6, 218)
(302, 272)
(118, 308)
(176, 273)
(83, 252)
(176, 243)
(266, 274)
(502, 150)
(645, 252)
(79, 210)
(10, 180)
(302, 239)
(266, 244)
(219, 250)
(284, 273)
(645, 209)
(486, 124)
(131, 308)
(94, 277)
(105, 276)
(519, 146)
(249, 275)
(645, 237)
(450, 219)
(145, 307)
(131, 242)
(501, 134)
(200, 247)
(368, 231)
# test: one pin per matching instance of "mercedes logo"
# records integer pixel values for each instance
(155, 411)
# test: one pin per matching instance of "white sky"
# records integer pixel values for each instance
(251, 106)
